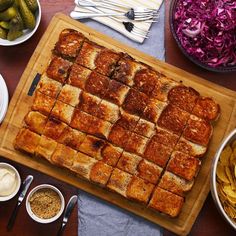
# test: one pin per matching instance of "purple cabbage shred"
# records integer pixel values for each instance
(207, 30)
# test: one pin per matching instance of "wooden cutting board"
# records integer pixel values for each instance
(21, 101)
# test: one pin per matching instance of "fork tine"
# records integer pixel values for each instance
(140, 35)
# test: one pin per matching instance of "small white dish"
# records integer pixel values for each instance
(38, 219)
(18, 179)
(4, 98)
(27, 33)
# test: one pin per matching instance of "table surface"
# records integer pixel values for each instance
(209, 221)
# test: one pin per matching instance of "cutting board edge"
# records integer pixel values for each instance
(180, 230)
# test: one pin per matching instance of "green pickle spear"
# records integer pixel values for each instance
(27, 15)
(3, 33)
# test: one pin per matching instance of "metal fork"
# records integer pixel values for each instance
(129, 26)
(138, 14)
(116, 6)
(130, 15)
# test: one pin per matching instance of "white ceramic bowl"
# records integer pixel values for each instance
(3, 98)
(27, 32)
(214, 193)
(18, 179)
(36, 218)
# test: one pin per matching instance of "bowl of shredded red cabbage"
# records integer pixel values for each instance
(205, 31)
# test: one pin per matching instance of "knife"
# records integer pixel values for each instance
(24, 188)
(70, 205)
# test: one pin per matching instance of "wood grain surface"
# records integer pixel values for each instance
(13, 61)
(209, 221)
(21, 102)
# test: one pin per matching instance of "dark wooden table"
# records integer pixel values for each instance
(13, 61)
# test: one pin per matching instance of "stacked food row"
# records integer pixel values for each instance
(118, 123)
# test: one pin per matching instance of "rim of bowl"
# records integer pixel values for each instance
(28, 34)
(195, 61)
(36, 218)
(4, 98)
(9, 166)
(229, 138)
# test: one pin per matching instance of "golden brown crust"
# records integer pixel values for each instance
(63, 156)
(90, 124)
(127, 121)
(175, 184)
(119, 181)
(106, 61)
(58, 69)
(46, 147)
(78, 76)
(88, 54)
(69, 43)
(153, 110)
(206, 108)
(42, 103)
(166, 202)
(100, 173)
(71, 137)
(198, 131)
(111, 154)
(62, 112)
(89, 103)
(82, 165)
(97, 84)
(116, 92)
(136, 144)
(26, 140)
(126, 70)
(161, 90)
(183, 97)
(54, 128)
(149, 171)
(92, 146)
(165, 137)
(49, 86)
(173, 119)
(183, 165)
(108, 111)
(36, 121)
(145, 80)
(135, 102)
(119, 136)
(190, 148)
(128, 162)
(139, 189)
(157, 153)
(69, 95)
(144, 128)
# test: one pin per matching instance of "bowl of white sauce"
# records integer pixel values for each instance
(10, 181)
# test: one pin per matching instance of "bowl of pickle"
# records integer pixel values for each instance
(19, 20)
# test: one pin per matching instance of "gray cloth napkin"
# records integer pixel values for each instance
(100, 218)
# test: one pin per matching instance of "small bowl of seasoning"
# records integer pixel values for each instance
(45, 203)
(10, 181)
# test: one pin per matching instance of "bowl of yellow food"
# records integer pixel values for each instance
(10, 181)
(19, 20)
(45, 203)
(223, 179)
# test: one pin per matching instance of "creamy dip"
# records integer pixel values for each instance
(8, 182)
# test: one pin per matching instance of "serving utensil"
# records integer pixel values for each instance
(130, 15)
(129, 26)
(117, 6)
(69, 207)
(138, 14)
(24, 188)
